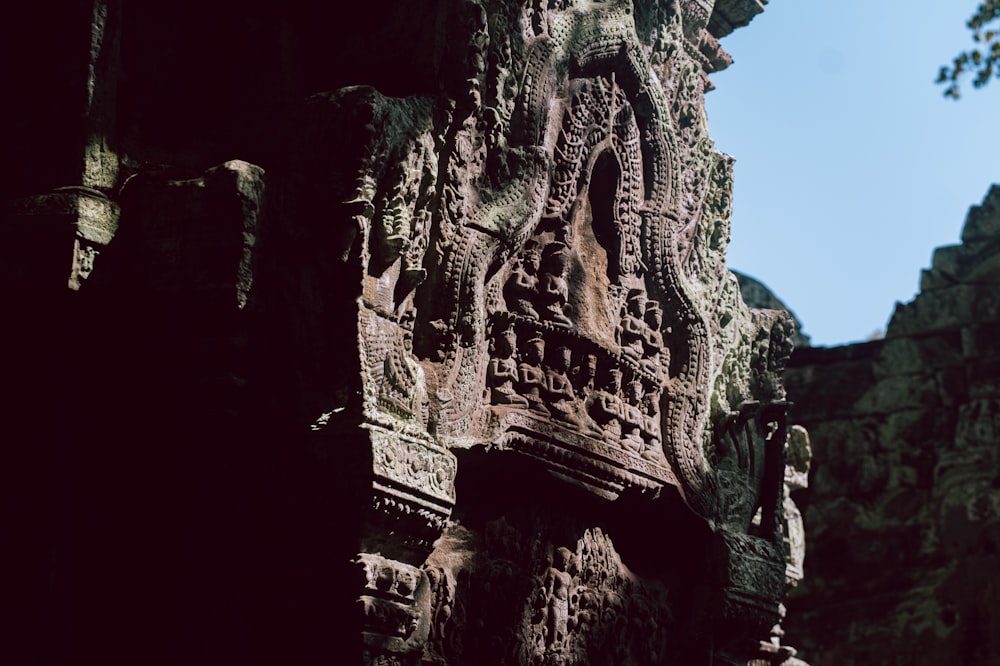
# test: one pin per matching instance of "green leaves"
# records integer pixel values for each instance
(984, 60)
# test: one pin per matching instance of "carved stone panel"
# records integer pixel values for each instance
(500, 245)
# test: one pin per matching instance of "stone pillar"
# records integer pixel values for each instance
(61, 162)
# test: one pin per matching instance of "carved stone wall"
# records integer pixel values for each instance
(428, 359)
(902, 509)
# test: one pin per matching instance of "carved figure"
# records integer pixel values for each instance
(442, 601)
(656, 359)
(585, 381)
(631, 330)
(412, 270)
(404, 386)
(395, 227)
(651, 427)
(798, 455)
(479, 41)
(559, 390)
(501, 373)
(606, 408)
(632, 418)
(558, 584)
(522, 286)
(531, 377)
(537, 18)
(496, 134)
(612, 607)
(588, 609)
(553, 288)
(585, 375)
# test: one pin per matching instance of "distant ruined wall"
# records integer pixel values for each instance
(385, 335)
(903, 509)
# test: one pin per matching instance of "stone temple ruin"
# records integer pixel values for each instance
(904, 506)
(386, 336)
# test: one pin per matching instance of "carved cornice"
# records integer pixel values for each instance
(730, 15)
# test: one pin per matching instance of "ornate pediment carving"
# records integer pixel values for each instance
(543, 259)
(543, 275)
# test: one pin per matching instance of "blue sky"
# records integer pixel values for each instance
(850, 165)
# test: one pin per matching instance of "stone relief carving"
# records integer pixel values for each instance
(543, 274)
(798, 456)
(520, 267)
(574, 604)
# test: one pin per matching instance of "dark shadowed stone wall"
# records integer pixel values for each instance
(903, 509)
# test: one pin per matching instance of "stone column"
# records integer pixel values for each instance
(61, 160)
